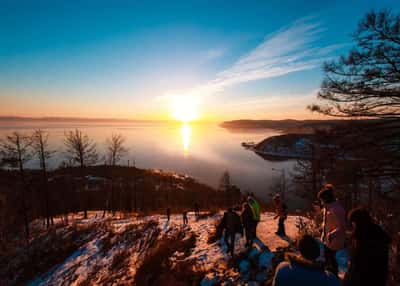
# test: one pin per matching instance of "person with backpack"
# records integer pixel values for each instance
(231, 224)
(281, 213)
(333, 227)
(369, 254)
(248, 224)
(303, 269)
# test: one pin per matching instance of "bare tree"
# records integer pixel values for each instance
(365, 83)
(81, 150)
(16, 152)
(41, 148)
(115, 152)
(225, 182)
(115, 148)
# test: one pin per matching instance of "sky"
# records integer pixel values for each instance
(212, 60)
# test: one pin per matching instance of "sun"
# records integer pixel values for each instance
(184, 108)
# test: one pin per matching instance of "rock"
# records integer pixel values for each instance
(265, 260)
(244, 266)
(209, 280)
(253, 253)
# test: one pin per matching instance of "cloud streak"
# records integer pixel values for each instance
(291, 49)
(288, 50)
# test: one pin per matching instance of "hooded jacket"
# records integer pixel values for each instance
(300, 271)
(334, 226)
(247, 217)
(369, 257)
(231, 222)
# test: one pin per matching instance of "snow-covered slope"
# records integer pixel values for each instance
(115, 249)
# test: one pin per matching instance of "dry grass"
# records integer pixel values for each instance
(216, 233)
(44, 252)
(119, 258)
(158, 269)
(206, 215)
(119, 270)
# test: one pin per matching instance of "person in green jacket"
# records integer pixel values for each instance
(255, 207)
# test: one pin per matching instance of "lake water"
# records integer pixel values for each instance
(203, 151)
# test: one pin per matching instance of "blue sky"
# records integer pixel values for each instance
(131, 59)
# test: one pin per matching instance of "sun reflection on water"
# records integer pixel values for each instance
(186, 133)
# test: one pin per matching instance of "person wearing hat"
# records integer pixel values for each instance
(333, 227)
(281, 213)
(303, 269)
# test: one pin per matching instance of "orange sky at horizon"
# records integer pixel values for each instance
(42, 105)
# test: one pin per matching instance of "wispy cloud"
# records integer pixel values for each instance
(288, 50)
(292, 48)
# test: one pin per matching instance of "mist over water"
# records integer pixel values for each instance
(201, 150)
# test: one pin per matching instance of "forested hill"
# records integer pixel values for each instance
(288, 125)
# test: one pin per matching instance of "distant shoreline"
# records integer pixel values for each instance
(307, 126)
(73, 119)
(94, 120)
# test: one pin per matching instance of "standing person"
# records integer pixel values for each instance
(232, 225)
(255, 208)
(248, 224)
(281, 213)
(333, 227)
(168, 214)
(196, 210)
(185, 218)
(303, 269)
(369, 253)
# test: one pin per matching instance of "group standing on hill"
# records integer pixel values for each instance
(369, 243)
(368, 261)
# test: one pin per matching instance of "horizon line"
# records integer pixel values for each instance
(110, 119)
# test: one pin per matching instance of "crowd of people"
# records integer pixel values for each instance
(369, 243)
(369, 250)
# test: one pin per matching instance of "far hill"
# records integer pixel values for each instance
(288, 125)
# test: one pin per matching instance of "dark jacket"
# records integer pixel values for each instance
(231, 222)
(247, 217)
(300, 271)
(280, 210)
(368, 257)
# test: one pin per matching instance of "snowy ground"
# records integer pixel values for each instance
(116, 247)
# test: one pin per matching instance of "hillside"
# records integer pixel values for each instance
(287, 146)
(143, 251)
(289, 125)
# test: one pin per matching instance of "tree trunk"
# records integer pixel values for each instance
(134, 195)
(24, 207)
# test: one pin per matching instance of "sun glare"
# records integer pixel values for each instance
(185, 109)
(186, 132)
